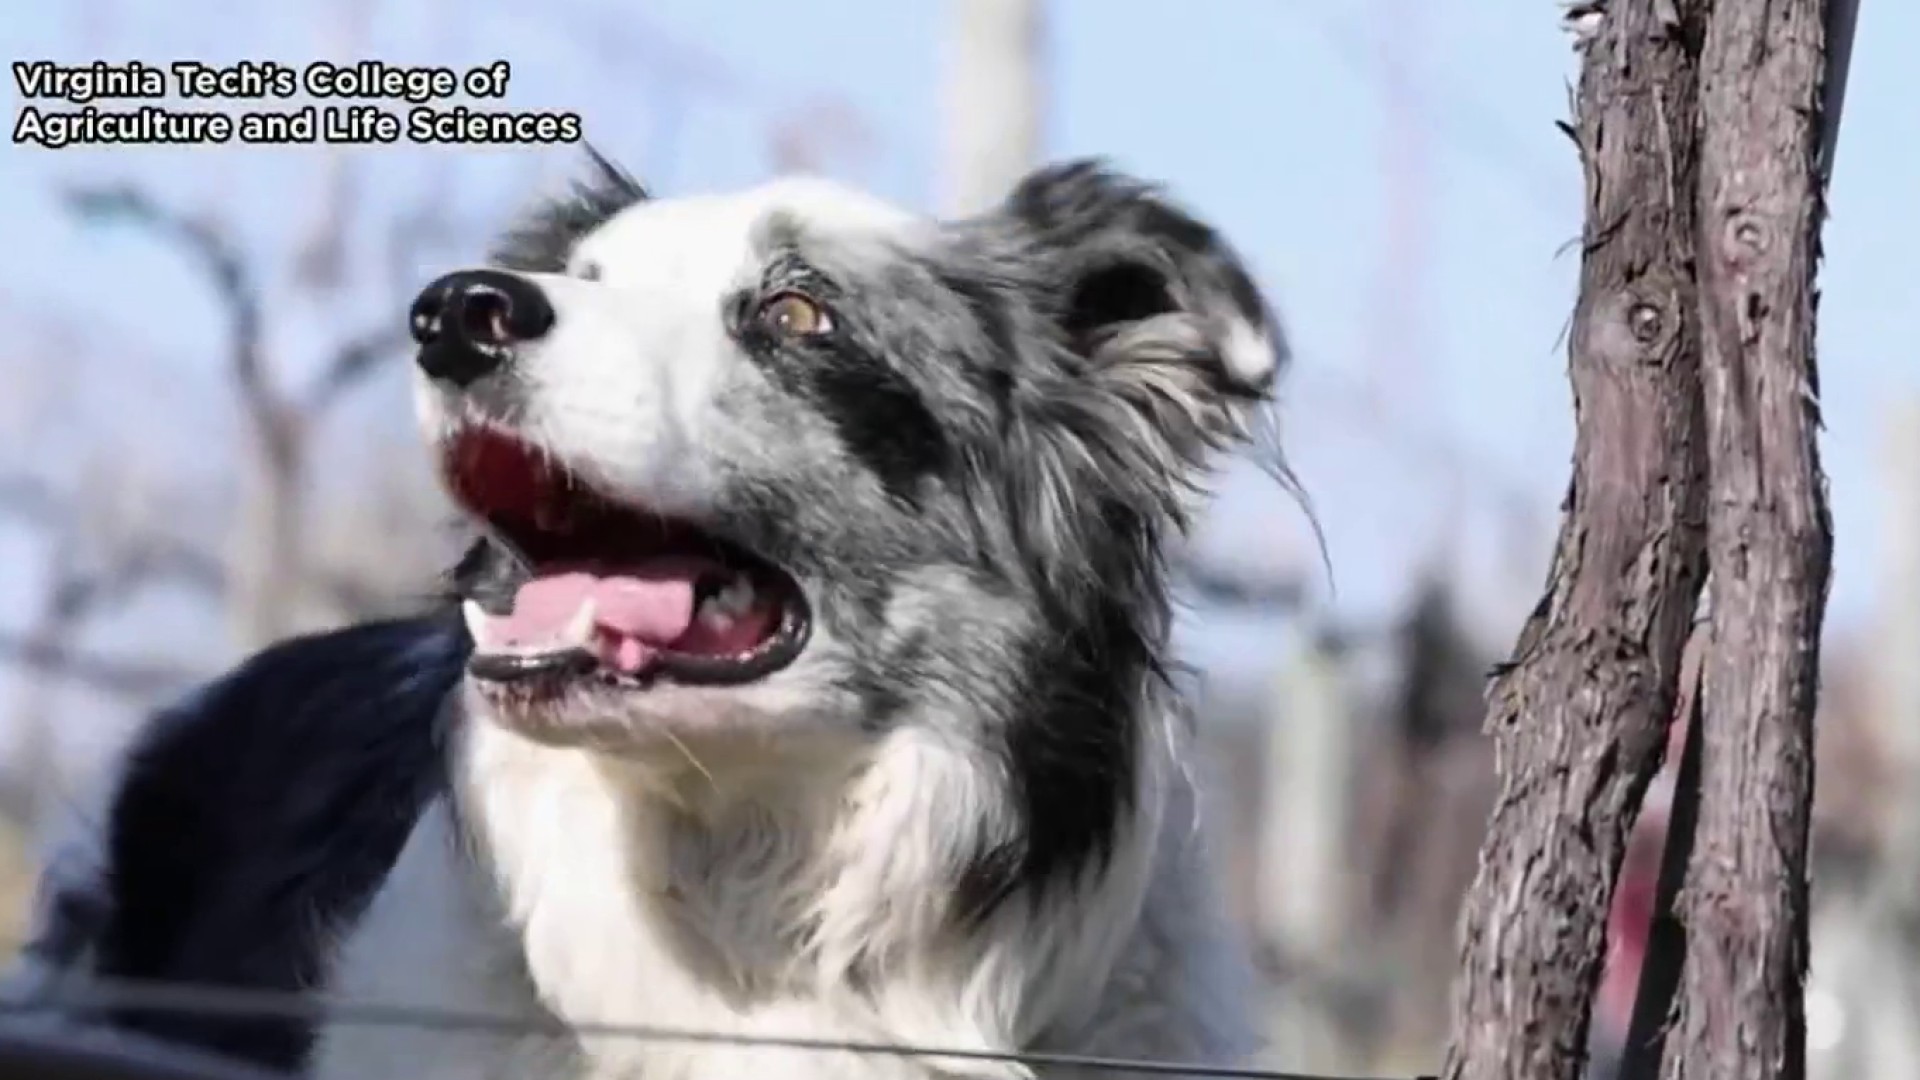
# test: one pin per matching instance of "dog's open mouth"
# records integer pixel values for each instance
(612, 590)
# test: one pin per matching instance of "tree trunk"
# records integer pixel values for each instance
(1579, 717)
(1769, 538)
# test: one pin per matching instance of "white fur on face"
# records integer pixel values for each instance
(626, 388)
(630, 387)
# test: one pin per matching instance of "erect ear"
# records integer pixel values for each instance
(1141, 277)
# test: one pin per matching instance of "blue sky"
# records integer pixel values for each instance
(1269, 116)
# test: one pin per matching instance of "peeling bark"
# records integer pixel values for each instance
(1579, 716)
(1769, 538)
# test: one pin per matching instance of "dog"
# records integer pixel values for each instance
(810, 677)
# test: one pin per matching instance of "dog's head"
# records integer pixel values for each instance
(793, 467)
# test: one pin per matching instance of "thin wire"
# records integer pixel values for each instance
(138, 995)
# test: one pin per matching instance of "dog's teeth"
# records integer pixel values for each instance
(580, 628)
(477, 622)
(711, 617)
(722, 609)
(737, 598)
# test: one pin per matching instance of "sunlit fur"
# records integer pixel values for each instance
(964, 817)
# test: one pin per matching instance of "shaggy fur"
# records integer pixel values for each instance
(961, 817)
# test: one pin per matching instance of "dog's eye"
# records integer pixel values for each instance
(793, 315)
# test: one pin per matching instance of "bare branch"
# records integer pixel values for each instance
(141, 680)
(70, 596)
(1232, 586)
(142, 558)
(31, 499)
(166, 559)
(233, 282)
(411, 234)
(320, 262)
(46, 649)
(216, 254)
(356, 359)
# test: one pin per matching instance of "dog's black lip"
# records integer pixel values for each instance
(780, 649)
(522, 667)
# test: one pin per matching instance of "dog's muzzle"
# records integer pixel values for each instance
(471, 323)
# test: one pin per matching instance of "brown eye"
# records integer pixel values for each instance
(793, 315)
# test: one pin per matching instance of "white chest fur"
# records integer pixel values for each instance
(585, 904)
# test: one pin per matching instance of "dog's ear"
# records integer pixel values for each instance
(1162, 356)
(1138, 277)
(543, 238)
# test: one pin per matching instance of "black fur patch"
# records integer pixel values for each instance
(545, 240)
(1073, 758)
(877, 412)
(263, 812)
(880, 418)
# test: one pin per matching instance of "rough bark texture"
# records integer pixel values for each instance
(1769, 538)
(1579, 717)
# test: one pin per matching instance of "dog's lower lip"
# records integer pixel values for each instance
(512, 667)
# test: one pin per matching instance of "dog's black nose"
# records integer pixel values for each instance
(468, 322)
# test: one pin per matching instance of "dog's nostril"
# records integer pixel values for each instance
(486, 316)
(470, 322)
(423, 319)
(424, 326)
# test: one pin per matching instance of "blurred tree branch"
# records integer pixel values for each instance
(46, 652)
(1225, 586)
(279, 418)
(204, 243)
(353, 362)
(267, 571)
(148, 556)
(141, 680)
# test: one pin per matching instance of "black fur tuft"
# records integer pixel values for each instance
(265, 810)
(544, 241)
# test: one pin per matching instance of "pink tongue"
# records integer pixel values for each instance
(636, 614)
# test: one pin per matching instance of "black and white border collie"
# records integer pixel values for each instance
(811, 679)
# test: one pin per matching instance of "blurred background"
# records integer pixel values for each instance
(205, 440)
